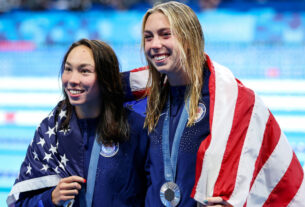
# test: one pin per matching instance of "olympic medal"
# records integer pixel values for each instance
(170, 194)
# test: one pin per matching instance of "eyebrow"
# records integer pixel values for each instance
(159, 30)
(82, 65)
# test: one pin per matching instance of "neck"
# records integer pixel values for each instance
(88, 112)
(178, 79)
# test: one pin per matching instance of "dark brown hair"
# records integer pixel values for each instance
(112, 125)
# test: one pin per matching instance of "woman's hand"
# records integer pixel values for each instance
(67, 189)
(216, 202)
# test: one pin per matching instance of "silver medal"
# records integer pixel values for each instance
(170, 194)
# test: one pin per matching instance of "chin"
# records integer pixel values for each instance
(163, 70)
(76, 103)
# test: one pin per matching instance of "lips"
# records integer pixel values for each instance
(159, 57)
(75, 92)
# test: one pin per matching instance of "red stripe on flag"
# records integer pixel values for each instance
(139, 69)
(206, 142)
(226, 179)
(288, 186)
(140, 93)
(271, 137)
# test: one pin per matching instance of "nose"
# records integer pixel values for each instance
(74, 78)
(156, 43)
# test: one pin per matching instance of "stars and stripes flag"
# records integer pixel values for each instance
(246, 159)
(51, 155)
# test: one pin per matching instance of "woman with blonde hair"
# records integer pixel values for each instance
(211, 140)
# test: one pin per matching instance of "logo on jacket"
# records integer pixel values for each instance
(109, 151)
(201, 111)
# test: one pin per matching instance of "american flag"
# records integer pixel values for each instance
(53, 153)
(246, 159)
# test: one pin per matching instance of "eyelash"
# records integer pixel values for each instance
(165, 34)
(148, 37)
(85, 71)
(82, 70)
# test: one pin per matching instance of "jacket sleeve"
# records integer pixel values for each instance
(38, 198)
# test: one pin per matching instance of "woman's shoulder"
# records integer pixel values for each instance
(56, 114)
(134, 118)
(136, 108)
(136, 112)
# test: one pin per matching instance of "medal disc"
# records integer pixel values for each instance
(170, 194)
(109, 151)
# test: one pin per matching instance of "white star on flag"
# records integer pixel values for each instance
(53, 149)
(41, 142)
(65, 131)
(50, 131)
(35, 155)
(61, 166)
(45, 167)
(50, 115)
(47, 157)
(64, 160)
(29, 169)
(62, 114)
(56, 170)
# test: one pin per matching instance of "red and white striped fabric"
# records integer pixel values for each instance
(138, 79)
(246, 159)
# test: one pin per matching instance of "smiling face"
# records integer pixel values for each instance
(79, 80)
(160, 45)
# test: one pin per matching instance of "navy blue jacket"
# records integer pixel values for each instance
(120, 180)
(187, 153)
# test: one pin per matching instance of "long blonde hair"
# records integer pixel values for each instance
(186, 27)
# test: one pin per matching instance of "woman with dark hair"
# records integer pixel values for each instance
(90, 150)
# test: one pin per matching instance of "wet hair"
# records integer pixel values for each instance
(186, 28)
(112, 126)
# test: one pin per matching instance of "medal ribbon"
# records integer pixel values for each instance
(92, 173)
(170, 161)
